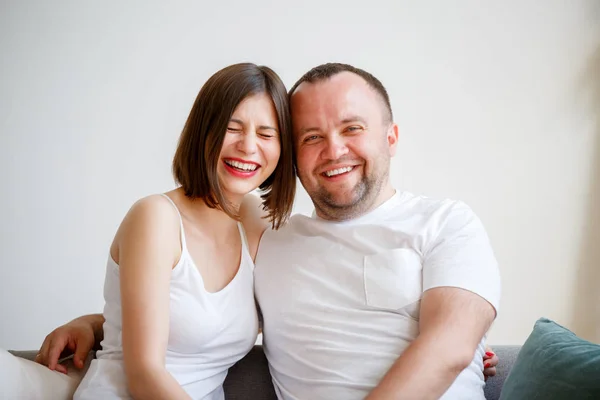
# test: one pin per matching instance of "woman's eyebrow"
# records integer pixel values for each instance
(239, 121)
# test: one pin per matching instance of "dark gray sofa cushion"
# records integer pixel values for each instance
(508, 356)
(250, 378)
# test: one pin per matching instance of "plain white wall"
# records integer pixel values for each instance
(489, 97)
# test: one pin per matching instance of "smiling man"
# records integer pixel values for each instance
(381, 294)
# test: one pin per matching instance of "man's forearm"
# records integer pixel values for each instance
(452, 322)
(96, 321)
(424, 371)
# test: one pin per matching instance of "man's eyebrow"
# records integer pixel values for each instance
(353, 118)
(304, 131)
(238, 121)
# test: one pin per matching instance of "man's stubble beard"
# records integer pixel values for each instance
(364, 195)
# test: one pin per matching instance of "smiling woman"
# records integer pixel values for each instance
(180, 273)
(179, 286)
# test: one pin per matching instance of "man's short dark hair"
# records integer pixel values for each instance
(326, 71)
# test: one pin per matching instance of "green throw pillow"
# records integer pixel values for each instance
(554, 364)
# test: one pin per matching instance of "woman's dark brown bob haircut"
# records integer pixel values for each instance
(197, 156)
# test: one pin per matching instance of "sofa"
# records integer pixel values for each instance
(250, 379)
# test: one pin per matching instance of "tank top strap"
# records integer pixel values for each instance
(243, 235)
(182, 234)
(246, 257)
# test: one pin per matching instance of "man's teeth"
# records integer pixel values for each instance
(338, 171)
(241, 165)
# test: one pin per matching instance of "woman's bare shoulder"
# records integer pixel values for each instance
(150, 216)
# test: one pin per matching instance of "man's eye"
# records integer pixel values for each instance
(354, 128)
(310, 138)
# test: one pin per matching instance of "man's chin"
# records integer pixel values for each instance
(340, 202)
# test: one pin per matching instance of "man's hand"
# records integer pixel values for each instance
(77, 336)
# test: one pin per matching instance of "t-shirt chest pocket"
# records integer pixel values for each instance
(393, 279)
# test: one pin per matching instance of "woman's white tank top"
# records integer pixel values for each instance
(208, 332)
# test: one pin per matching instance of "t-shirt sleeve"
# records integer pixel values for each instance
(461, 256)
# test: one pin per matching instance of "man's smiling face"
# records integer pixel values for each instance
(344, 141)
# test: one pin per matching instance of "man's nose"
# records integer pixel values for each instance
(336, 148)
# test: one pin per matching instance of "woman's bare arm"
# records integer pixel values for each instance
(148, 248)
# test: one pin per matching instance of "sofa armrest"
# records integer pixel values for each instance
(26, 354)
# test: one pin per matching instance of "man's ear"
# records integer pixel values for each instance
(392, 138)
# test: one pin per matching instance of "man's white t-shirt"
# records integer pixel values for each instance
(340, 300)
